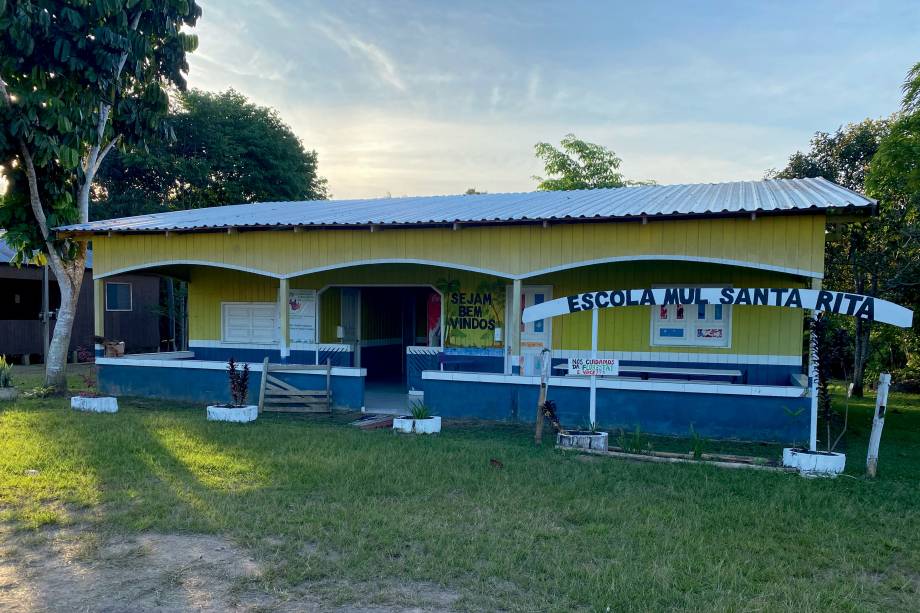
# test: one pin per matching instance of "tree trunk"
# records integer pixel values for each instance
(69, 283)
(860, 356)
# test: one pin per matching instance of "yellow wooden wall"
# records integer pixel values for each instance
(793, 242)
(209, 287)
(755, 330)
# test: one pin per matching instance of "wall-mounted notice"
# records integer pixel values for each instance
(600, 367)
(301, 307)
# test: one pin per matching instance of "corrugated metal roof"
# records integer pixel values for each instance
(771, 196)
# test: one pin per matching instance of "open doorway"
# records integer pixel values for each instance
(380, 323)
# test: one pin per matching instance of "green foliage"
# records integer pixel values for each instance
(420, 410)
(224, 150)
(40, 391)
(911, 90)
(75, 76)
(699, 444)
(5, 372)
(635, 442)
(579, 165)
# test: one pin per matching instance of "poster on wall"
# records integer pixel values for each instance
(599, 367)
(473, 314)
(301, 307)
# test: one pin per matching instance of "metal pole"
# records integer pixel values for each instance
(45, 316)
(592, 412)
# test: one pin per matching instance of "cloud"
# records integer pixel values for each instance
(338, 32)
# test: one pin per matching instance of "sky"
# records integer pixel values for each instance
(415, 98)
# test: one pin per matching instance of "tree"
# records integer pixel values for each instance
(579, 165)
(226, 150)
(854, 259)
(894, 178)
(77, 80)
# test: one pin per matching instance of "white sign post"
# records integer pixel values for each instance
(867, 308)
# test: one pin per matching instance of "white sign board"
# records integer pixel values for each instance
(599, 367)
(301, 305)
(854, 305)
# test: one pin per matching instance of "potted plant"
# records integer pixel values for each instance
(237, 410)
(90, 401)
(7, 391)
(420, 422)
(819, 462)
(587, 438)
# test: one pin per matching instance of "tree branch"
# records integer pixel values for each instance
(105, 152)
(94, 157)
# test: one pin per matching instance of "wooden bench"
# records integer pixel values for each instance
(277, 396)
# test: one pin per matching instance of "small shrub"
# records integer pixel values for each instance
(635, 442)
(6, 370)
(699, 444)
(420, 411)
(239, 383)
(39, 392)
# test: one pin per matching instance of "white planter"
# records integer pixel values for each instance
(814, 462)
(576, 439)
(9, 393)
(432, 425)
(236, 414)
(100, 404)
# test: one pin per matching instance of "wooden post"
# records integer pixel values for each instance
(264, 383)
(283, 294)
(878, 422)
(546, 361)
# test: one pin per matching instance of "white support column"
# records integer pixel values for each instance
(284, 291)
(592, 403)
(99, 315)
(515, 325)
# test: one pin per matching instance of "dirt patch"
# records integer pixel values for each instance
(69, 569)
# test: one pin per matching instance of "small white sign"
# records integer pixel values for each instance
(599, 367)
(302, 315)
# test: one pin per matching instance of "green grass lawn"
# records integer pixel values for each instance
(320, 502)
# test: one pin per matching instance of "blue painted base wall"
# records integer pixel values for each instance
(752, 418)
(207, 386)
(255, 356)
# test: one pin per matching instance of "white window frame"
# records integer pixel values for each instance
(130, 296)
(689, 325)
(224, 322)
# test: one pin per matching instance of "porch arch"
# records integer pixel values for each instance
(673, 257)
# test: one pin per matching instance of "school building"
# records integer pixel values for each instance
(421, 298)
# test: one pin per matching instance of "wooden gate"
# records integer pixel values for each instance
(277, 396)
